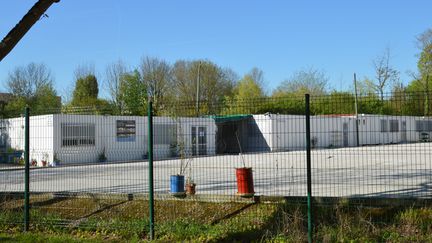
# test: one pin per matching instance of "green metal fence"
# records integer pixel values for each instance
(85, 163)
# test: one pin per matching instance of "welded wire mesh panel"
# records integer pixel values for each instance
(383, 151)
(89, 166)
(11, 161)
(206, 147)
(82, 164)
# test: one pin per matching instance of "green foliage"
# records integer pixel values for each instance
(86, 91)
(247, 95)
(85, 98)
(334, 103)
(248, 88)
(15, 107)
(132, 95)
(215, 84)
(424, 63)
(418, 97)
(31, 86)
(46, 101)
(292, 104)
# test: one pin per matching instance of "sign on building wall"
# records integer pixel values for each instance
(126, 131)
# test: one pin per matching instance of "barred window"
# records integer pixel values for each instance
(78, 134)
(394, 126)
(164, 134)
(384, 125)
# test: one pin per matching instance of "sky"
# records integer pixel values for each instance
(279, 37)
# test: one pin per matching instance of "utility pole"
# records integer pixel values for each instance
(356, 110)
(198, 89)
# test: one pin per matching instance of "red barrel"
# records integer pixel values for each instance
(245, 186)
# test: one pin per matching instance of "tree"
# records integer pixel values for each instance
(399, 99)
(155, 75)
(247, 94)
(310, 81)
(15, 107)
(32, 86)
(46, 100)
(424, 63)
(132, 96)
(421, 84)
(18, 32)
(247, 88)
(114, 74)
(25, 81)
(418, 97)
(258, 77)
(384, 73)
(215, 84)
(84, 70)
(424, 39)
(86, 91)
(364, 87)
(337, 102)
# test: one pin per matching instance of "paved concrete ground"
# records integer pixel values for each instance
(403, 170)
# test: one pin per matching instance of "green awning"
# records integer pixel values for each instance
(230, 118)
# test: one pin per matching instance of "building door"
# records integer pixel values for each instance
(345, 134)
(403, 132)
(199, 140)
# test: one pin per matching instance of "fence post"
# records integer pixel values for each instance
(308, 165)
(27, 170)
(150, 165)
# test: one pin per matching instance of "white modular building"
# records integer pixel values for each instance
(85, 138)
(287, 132)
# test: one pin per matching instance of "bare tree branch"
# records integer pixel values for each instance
(18, 32)
(114, 73)
(424, 39)
(384, 73)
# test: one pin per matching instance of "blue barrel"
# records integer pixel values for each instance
(177, 185)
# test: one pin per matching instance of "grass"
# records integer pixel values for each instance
(43, 237)
(116, 220)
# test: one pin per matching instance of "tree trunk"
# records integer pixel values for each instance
(18, 32)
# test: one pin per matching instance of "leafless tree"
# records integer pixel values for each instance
(25, 81)
(384, 73)
(83, 70)
(312, 81)
(155, 74)
(424, 39)
(114, 73)
(258, 76)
